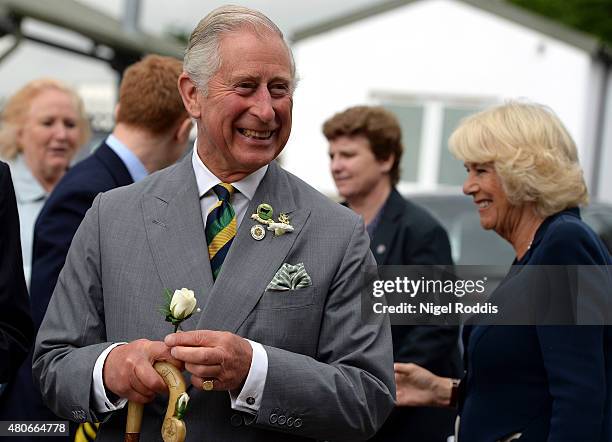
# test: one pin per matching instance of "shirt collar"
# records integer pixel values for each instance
(132, 162)
(27, 188)
(206, 180)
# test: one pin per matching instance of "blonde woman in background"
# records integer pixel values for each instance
(41, 128)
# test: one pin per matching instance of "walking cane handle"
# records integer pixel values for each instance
(173, 429)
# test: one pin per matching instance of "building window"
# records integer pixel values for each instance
(427, 123)
(451, 171)
(411, 120)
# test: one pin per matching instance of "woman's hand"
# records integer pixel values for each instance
(419, 387)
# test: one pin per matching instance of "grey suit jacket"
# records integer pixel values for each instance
(330, 372)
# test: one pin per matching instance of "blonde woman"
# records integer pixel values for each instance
(537, 382)
(42, 127)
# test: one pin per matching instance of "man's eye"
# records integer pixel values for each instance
(245, 87)
(279, 89)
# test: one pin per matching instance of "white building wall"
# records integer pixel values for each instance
(605, 168)
(440, 47)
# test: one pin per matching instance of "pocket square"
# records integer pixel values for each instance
(290, 277)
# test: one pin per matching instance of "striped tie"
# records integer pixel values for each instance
(86, 432)
(220, 227)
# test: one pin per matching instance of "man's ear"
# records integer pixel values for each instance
(183, 130)
(190, 95)
(116, 111)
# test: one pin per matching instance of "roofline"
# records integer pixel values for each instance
(347, 19)
(500, 8)
(90, 23)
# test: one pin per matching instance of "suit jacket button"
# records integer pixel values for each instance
(282, 419)
(236, 420)
(297, 423)
(290, 421)
(79, 415)
(273, 418)
(250, 400)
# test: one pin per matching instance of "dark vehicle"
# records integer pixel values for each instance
(472, 245)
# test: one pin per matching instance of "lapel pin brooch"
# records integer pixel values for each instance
(264, 215)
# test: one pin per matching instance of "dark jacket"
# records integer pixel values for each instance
(56, 225)
(16, 331)
(408, 235)
(548, 382)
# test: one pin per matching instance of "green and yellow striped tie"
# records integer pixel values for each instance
(86, 432)
(220, 227)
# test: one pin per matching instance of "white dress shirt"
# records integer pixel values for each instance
(248, 399)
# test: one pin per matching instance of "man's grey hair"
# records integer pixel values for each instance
(202, 56)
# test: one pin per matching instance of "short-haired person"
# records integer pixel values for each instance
(151, 132)
(365, 148)
(536, 382)
(279, 350)
(42, 126)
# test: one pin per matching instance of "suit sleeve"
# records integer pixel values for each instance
(433, 347)
(574, 356)
(351, 380)
(72, 334)
(574, 361)
(16, 331)
(53, 233)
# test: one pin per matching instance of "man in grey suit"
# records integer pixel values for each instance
(284, 358)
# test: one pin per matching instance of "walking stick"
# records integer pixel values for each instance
(173, 429)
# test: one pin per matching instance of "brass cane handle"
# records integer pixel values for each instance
(173, 429)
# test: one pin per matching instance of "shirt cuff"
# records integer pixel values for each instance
(102, 403)
(249, 398)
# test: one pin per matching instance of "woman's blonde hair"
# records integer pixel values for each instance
(532, 152)
(17, 107)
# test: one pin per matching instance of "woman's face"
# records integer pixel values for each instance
(485, 187)
(50, 134)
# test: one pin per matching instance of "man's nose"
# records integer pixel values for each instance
(262, 107)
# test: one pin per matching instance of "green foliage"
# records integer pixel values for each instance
(591, 16)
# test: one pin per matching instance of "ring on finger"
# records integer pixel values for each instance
(208, 385)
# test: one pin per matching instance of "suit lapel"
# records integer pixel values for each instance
(387, 227)
(115, 166)
(250, 265)
(175, 232)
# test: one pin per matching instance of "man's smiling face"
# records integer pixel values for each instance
(245, 118)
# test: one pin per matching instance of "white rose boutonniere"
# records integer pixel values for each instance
(179, 306)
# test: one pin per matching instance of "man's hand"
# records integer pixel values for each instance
(222, 357)
(128, 370)
(419, 387)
